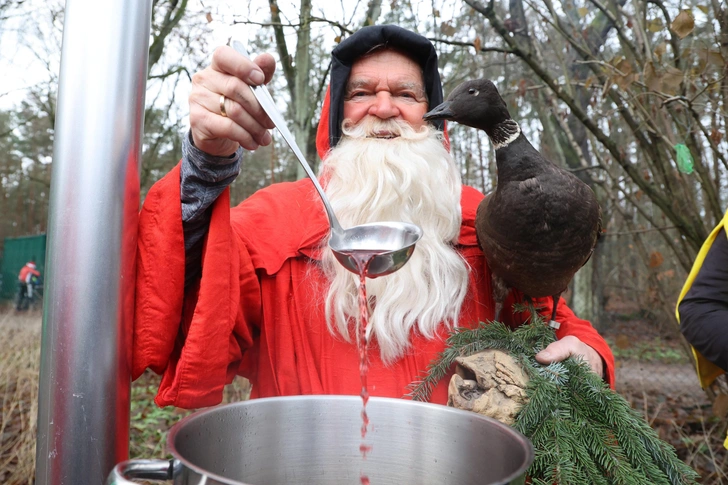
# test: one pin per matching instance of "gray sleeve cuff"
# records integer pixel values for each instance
(203, 178)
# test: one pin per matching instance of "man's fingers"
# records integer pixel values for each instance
(249, 121)
(250, 125)
(223, 110)
(555, 352)
(227, 60)
(267, 64)
(255, 72)
(207, 88)
(571, 346)
(211, 126)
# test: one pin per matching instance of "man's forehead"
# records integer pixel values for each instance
(388, 65)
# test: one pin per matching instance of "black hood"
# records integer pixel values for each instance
(415, 46)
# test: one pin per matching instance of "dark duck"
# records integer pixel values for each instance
(542, 223)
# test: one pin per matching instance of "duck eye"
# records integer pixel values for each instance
(473, 91)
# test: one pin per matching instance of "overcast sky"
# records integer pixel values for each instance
(31, 46)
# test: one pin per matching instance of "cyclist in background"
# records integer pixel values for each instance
(28, 279)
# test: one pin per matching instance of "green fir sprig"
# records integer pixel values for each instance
(582, 432)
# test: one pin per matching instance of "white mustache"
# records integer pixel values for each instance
(372, 127)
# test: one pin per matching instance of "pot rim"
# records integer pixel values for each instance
(177, 427)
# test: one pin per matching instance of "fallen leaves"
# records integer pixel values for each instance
(656, 259)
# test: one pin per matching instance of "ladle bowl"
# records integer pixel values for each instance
(390, 243)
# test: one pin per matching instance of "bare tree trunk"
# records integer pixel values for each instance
(373, 12)
(303, 108)
(297, 72)
(721, 14)
(171, 16)
(582, 299)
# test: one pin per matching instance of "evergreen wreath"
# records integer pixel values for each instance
(582, 432)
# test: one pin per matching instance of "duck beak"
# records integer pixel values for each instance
(440, 112)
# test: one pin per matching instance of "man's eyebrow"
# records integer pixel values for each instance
(358, 83)
(411, 85)
(400, 85)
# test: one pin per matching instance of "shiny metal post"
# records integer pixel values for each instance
(83, 402)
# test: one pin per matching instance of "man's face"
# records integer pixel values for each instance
(387, 85)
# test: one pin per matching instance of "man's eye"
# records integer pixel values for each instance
(357, 94)
(409, 95)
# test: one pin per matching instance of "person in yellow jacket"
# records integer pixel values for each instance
(702, 308)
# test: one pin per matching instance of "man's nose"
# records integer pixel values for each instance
(384, 106)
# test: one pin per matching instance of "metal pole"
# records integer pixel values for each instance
(83, 401)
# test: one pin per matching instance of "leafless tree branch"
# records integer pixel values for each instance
(338, 25)
(470, 44)
(659, 199)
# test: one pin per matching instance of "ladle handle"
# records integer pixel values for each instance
(266, 102)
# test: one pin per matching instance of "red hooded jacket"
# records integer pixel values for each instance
(258, 309)
(26, 271)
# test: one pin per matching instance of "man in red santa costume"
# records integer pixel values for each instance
(255, 291)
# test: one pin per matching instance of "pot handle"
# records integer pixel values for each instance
(143, 470)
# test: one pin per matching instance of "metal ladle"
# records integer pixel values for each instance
(390, 243)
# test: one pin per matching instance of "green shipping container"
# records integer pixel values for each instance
(16, 252)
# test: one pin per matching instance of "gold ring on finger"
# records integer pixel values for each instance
(222, 106)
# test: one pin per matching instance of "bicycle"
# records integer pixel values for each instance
(34, 301)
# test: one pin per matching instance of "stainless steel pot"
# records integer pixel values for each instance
(316, 439)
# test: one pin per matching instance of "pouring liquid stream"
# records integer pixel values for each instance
(403, 235)
(363, 258)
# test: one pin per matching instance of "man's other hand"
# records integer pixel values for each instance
(570, 346)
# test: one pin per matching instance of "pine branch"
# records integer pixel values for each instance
(581, 431)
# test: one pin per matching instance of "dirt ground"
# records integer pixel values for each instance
(674, 379)
(656, 375)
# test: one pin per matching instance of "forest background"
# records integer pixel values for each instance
(628, 94)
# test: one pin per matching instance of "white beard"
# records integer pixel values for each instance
(410, 178)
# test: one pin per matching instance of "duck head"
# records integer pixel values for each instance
(475, 103)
